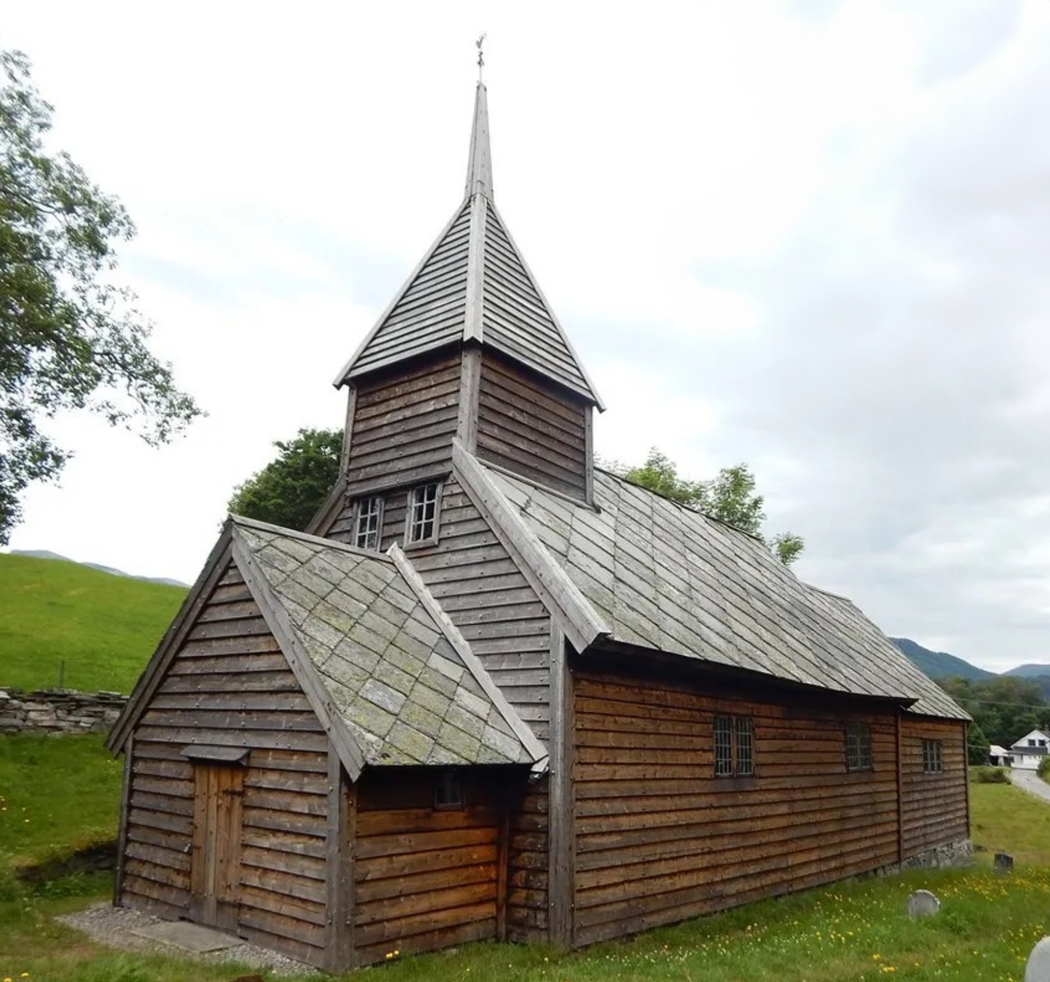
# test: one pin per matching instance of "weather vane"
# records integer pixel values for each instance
(481, 55)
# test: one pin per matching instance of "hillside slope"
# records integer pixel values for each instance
(105, 627)
(939, 664)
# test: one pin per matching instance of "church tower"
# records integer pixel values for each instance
(468, 349)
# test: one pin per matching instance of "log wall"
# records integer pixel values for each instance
(229, 685)
(427, 878)
(531, 427)
(659, 838)
(933, 806)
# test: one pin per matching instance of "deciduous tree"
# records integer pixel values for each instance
(730, 497)
(70, 338)
(290, 489)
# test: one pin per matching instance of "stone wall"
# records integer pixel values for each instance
(59, 711)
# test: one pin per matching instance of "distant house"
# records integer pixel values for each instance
(495, 692)
(999, 756)
(1030, 749)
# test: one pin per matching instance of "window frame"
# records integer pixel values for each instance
(932, 757)
(410, 520)
(730, 734)
(359, 514)
(858, 739)
(448, 791)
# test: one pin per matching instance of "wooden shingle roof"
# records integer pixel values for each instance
(656, 575)
(404, 683)
(473, 285)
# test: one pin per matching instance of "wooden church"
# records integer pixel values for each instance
(497, 693)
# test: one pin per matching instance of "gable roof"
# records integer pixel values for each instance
(473, 285)
(657, 575)
(392, 684)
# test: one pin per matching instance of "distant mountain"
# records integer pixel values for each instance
(1030, 671)
(939, 664)
(47, 554)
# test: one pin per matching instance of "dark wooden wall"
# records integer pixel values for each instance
(229, 685)
(659, 838)
(531, 426)
(527, 866)
(933, 806)
(426, 878)
(403, 424)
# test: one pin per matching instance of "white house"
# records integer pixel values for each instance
(1030, 749)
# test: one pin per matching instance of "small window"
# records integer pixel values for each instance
(858, 747)
(1031, 743)
(369, 521)
(423, 513)
(734, 746)
(449, 791)
(931, 757)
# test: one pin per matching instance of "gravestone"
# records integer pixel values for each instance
(1004, 862)
(1038, 967)
(922, 903)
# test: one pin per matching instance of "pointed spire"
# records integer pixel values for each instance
(479, 168)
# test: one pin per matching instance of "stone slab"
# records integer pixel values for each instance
(1038, 967)
(188, 937)
(922, 903)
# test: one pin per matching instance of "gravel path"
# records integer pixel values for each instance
(113, 926)
(1031, 782)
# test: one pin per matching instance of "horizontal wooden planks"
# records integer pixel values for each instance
(403, 425)
(530, 427)
(230, 685)
(527, 866)
(933, 806)
(490, 601)
(424, 878)
(660, 839)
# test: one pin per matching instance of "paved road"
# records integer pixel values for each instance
(1029, 781)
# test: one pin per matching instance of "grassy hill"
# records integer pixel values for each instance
(105, 627)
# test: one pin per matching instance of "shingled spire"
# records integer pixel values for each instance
(473, 285)
(479, 167)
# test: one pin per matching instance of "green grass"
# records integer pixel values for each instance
(104, 627)
(847, 932)
(57, 795)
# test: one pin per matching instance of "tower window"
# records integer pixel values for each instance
(423, 513)
(368, 522)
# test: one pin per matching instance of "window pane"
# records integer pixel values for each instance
(366, 533)
(745, 753)
(723, 746)
(423, 513)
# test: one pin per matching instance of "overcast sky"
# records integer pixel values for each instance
(813, 236)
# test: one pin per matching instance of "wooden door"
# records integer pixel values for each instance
(216, 860)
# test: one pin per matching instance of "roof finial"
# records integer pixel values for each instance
(481, 57)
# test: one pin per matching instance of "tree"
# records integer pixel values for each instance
(69, 337)
(729, 496)
(290, 489)
(1004, 708)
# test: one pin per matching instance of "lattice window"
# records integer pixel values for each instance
(858, 746)
(745, 746)
(423, 513)
(723, 746)
(734, 746)
(932, 762)
(369, 521)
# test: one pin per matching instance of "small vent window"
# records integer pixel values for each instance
(423, 513)
(369, 521)
(858, 747)
(449, 791)
(734, 746)
(931, 757)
